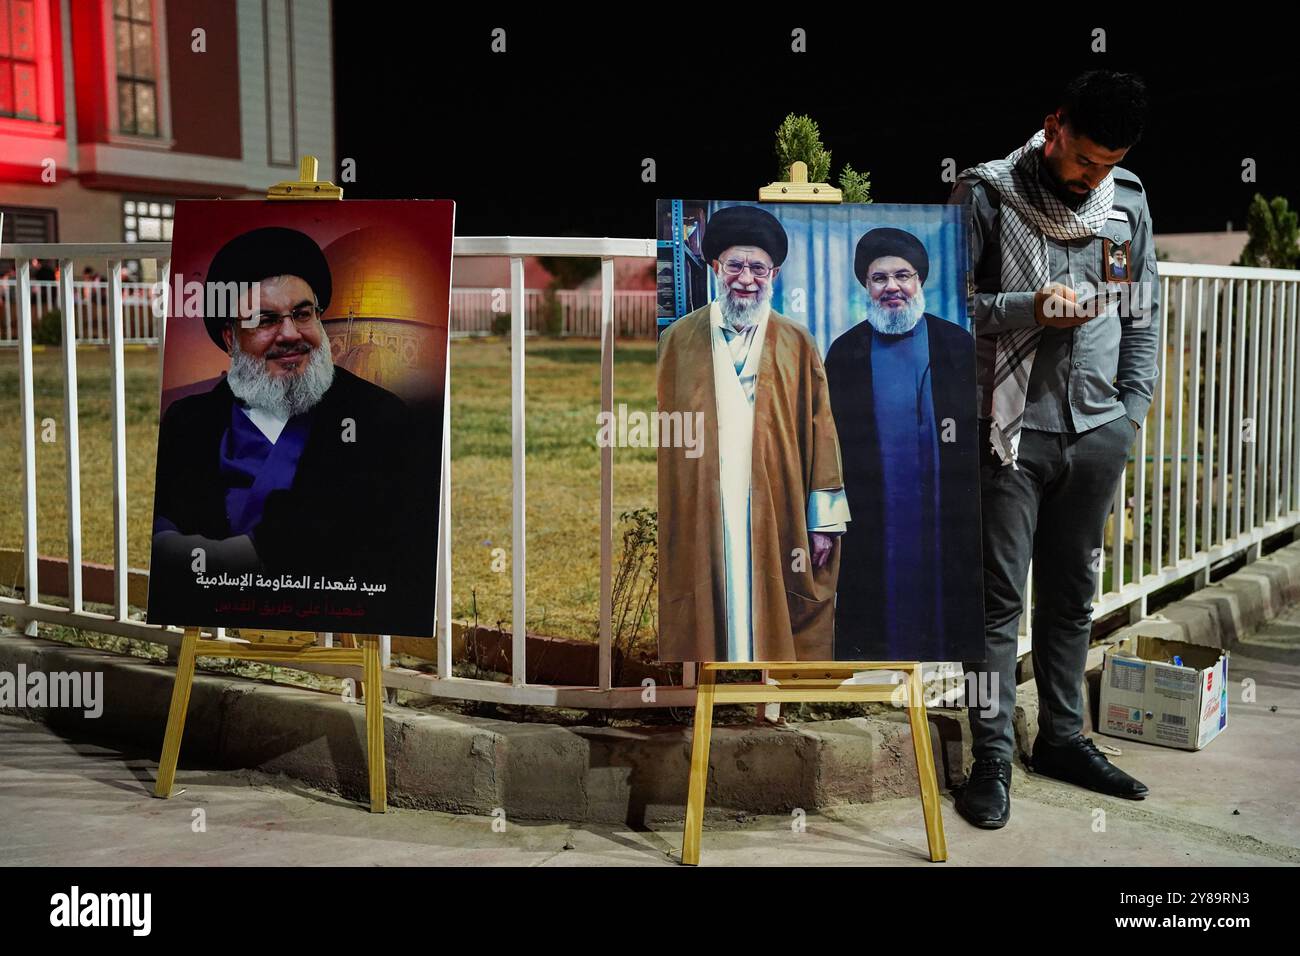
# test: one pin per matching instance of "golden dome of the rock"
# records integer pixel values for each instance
(378, 275)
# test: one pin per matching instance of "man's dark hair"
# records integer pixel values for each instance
(1107, 107)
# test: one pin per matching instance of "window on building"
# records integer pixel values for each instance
(18, 59)
(147, 220)
(137, 87)
(26, 224)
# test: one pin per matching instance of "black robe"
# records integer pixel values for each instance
(957, 629)
(365, 509)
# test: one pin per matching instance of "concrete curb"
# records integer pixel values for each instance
(475, 765)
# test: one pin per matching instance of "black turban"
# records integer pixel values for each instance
(262, 254)
(887, 241)
(744, 226)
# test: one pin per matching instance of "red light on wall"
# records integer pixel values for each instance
(18, 59)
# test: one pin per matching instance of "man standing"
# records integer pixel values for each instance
(901, 385)
(1063, 387)
(748, 552)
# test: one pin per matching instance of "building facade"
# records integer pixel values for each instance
(111, 110)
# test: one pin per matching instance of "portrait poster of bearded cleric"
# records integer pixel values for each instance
(300, 442)
(830, 509)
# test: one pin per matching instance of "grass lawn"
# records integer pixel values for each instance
(563, 469)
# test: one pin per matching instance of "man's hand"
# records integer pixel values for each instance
(821, 547)
(1054, 306)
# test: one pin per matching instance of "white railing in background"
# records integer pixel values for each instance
(1214, 470)
(1223, 422)
(473, 311)
(91, 305)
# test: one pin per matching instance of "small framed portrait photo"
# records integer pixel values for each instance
(1115, 261)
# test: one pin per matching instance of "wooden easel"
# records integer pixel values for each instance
(367, 654)
(808, 681)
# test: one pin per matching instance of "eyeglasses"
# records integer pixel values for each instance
(902, 277)
(734, 267)
(302, 317)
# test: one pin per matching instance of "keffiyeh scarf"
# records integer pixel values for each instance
(1030, 214)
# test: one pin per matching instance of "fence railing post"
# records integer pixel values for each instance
(607, 331)
(71, 439)
(1176, 479)
(1251, 447)
(1194, 408)
(519, 500)
(1225, 409)
(1211, 360)
(117, 399)
(27, 415)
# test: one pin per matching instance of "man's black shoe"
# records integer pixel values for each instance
(985, 801)
(1080, 762)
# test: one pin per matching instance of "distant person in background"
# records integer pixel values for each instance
(89, 283)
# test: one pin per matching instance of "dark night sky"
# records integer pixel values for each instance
(548, 138)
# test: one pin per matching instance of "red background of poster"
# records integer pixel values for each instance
(414, 255)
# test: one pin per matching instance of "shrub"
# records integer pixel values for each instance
(552, 314)
(48, 330)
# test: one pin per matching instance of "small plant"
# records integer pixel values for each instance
(798, 138)
(855, 186)
(552, 314)
(48, 330)
(567, 272)
(635, 582)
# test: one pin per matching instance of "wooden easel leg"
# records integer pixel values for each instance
(699, 767)
(925, 767)
(374, 682)
(171, 751)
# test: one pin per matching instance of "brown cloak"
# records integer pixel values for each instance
(795, 452)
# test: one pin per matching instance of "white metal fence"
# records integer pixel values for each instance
(1216, 469)
(473, 311)
(90, 306)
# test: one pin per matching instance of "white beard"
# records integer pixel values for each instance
(740, 314)
(286, 395)
(889, 321)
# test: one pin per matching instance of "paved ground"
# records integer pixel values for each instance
(68, 803)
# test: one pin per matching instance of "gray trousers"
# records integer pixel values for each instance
(1054, 507)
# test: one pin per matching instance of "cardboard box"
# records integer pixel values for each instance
(1145, 696)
